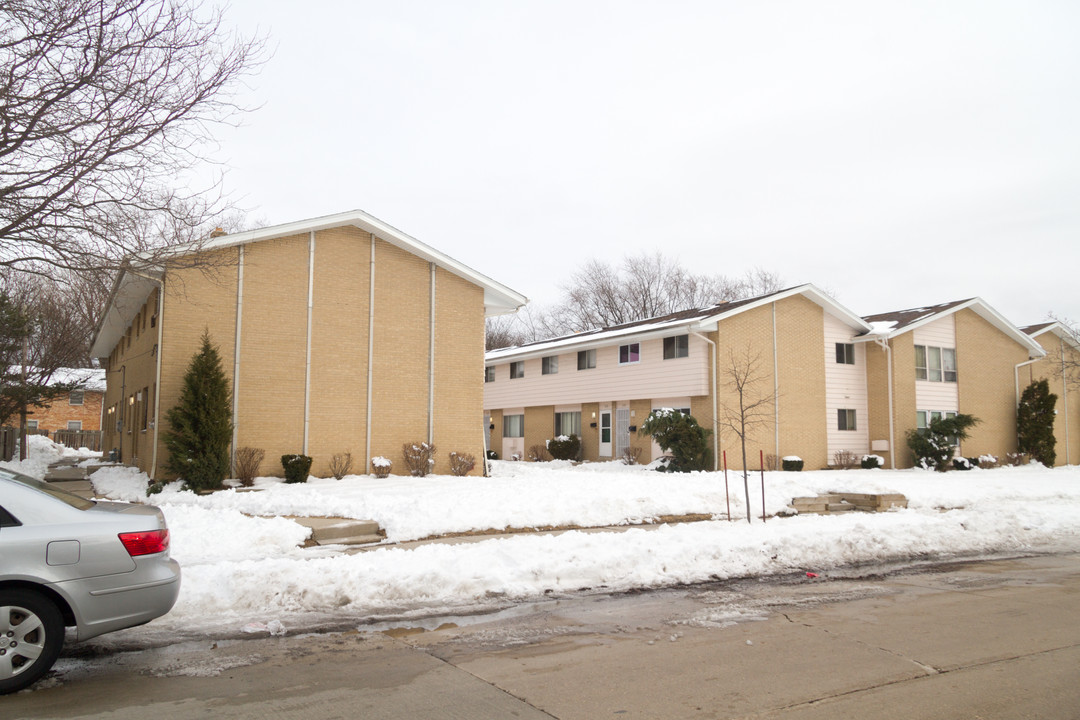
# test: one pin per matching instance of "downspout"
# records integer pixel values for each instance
(236, 359)
(370, 354)
(884, 343)
(715, 421)
(431, 364)
(1065, 399)
(776, 384)
(157, 380)
(1016, 377)
(307, 362)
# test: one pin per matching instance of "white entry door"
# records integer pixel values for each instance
(622, 430)
(605, 433)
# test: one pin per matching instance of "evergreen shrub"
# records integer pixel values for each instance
(296, 467)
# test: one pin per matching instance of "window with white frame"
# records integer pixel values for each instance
(630, 353)
(74, 424)
(549, 365)
(935, 364)
(677, 346)
(517, 369)
(586, 359)
(489, 374)
(31, 424)
(845, 419)
(845, 353)
(76, 397)
(513, 426)
(568, 423)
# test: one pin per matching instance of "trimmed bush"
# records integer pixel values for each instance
(871, 462)
(492, 455)
(296, 467)
(962, 463)
(462, 464)
(564, 447)
(248, 460)
(340, 465)
(844, 459)
(380, 466)
(419, 458)
(792, 463)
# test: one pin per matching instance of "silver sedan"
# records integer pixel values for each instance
(68, 561)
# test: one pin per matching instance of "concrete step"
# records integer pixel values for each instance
(340, 531)
(82, 488)
(55, 474)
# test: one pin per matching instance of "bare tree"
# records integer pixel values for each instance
(103, 105)
(1065, 364)
(642, 287)
(752, 405)
(525, 326)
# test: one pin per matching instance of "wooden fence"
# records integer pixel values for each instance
(90, 439)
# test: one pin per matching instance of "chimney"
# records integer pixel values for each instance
(218, 232)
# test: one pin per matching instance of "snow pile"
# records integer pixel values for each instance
(42, 453)
(240, 569)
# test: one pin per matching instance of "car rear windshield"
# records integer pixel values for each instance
(71, 499)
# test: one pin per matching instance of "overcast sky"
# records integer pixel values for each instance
(895, 154)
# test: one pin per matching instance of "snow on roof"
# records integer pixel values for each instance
(86, 378)
(693, 320)
(895, 323)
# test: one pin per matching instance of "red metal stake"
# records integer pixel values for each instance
(762, 462)
(726, 494)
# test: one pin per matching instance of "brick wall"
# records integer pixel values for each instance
(58, 413)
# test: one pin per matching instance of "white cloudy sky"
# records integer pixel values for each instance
(896, 153)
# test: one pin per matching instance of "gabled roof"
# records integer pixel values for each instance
(890, 324)
(1054, 327)
(694, 320)
(133, 287)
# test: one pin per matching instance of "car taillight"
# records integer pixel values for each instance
(145, 543)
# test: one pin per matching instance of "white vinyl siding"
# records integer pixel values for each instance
(845, 389)
(649, 378)
(936, 394)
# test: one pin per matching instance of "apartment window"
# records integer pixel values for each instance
(676, 347)
(948, 362)
(845, 419)
(845, 353)
(629, 353)
(153, 320)
(549, 365)
(514, 426)
(517, 369)
(923, 418)
(75, 398)
(586, 359)
(74, 424)
(31, 424)
(568, 423)
(935, 364)
(489, 374)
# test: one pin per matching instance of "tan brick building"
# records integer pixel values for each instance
(602, 384)
(78, 410)
(930, 362)
(1061, 369)
(830, 381)
(338, 334)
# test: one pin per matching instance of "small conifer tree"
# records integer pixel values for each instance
(1035, 423)
(201, 423)
(681, 437)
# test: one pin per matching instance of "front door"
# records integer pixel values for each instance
(605, 433)
(622, 430)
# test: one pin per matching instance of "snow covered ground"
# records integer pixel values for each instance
(241, 569)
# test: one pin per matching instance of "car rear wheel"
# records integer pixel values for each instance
(31, 635)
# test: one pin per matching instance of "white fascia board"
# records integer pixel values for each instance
(128, 295)
(596, 340)
(498, 298)
(1058, 329)
(810, 292)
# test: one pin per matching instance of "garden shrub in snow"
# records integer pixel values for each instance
(461, 464)
(340, 465)
(1035, 423)
(296, 467)
(844, 459)
(870, 462)
(380, 466)
(492, 455)
(792, 463)
(962, 463)
(564, 447)
(419, 458)
(248, 460)
(681, 437)
(631, 455)
(933, 447)
(200, 424)
(538, 453)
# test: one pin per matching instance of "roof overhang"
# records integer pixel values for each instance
(129, 294)
(1059, 330)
